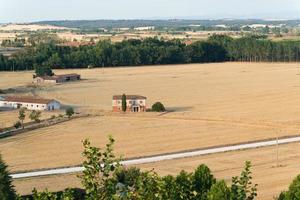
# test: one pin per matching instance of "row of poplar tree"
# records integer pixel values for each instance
(153, 51)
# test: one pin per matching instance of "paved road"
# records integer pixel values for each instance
(166, 157)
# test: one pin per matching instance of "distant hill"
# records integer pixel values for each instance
(92, 24)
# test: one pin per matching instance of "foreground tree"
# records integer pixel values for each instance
(99, 167)
(294, 191)
(219, 191)
(242, 187)
(7, 191)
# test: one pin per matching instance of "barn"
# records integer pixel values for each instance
(57, 78)
(30, 103)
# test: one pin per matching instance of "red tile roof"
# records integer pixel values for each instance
(119, 97)
(27, 99)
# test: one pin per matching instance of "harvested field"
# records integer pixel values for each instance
(211, 104)
(271, 180)
(135, 136)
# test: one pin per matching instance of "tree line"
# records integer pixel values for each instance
(152, 51)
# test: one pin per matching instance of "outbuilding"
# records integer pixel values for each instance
(57, 78)
(30, 103)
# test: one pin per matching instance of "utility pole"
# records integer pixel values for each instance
(277, 148)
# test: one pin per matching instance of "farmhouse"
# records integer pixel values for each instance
(31, 103)
(135, 103)
(57, 78)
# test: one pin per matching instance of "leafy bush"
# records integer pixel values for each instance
(70, 112)
(35, 116)
(18, 124)
(158, 107)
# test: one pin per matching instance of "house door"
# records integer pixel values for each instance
(136, 109)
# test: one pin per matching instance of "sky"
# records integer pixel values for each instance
(40, 10)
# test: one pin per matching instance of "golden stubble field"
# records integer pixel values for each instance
(211, 104)
(271, 179)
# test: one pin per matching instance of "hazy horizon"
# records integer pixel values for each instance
(17, 11)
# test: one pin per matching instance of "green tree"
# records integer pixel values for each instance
(7, 191)
(294, 191)
(203, 180)
(219, 191)
(22, 116)
(70, 112)
(242, 187)
(35, 116)
(124, 103)
(43, 70)
(45, 195)
(158, 107)
(99, 167)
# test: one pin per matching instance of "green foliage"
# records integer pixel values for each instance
(203, 180)
(18, 124)
(158, 107)
(70, 112)
(22, 115)
(294, 191)
(43, 70)
(35, 115)
(99, 167)
(45, 195)
(7, 191)
(124, 103)
(242, 187)
(219, 191)
(151, 51)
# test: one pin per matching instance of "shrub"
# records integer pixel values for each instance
(70, 112)
(18, 124)
(35, 116)
(52, 117)
(158, 107)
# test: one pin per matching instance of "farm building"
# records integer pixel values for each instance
(135, 103)
(31, 103)
(57, 78)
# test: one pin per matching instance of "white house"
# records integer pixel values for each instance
(135, 103)
(31, 103)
